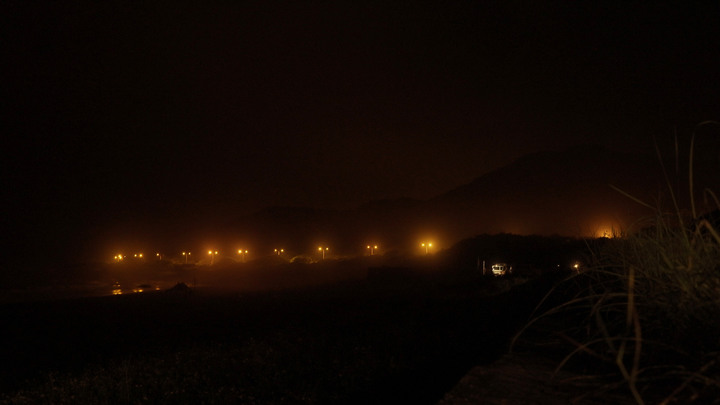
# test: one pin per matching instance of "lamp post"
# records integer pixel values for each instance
(372, 249)
(242, 253)
(426, 245)
(186, 255)
(212, 256)
(279, 251)
(323, 250)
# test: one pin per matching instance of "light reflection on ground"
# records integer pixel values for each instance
(49, 293)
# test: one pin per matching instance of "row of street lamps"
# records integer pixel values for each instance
(243, 252)
(121, 257)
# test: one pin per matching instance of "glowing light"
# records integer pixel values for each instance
(212, 256)
(499, 269)
(279, 251)
(186, 255)
(604, 228)
(372, 249)
(323, 249)
(605, 233)
(427, 246)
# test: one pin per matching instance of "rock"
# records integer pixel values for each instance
(524, 379)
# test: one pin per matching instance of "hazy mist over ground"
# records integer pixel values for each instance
(166, 124)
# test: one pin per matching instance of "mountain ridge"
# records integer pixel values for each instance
(571, 192)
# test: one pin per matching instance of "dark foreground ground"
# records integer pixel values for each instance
(361, 341)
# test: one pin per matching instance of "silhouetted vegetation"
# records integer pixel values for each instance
(642, 318)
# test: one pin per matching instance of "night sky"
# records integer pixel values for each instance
(167, 112)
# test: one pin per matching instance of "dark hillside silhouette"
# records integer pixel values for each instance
(565, 193)
(571, 192)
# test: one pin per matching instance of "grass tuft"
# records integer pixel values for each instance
(643, 317)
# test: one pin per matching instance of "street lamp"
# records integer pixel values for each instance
(278, 251)
(372, 249)
(158, 256)
(212, 256)
(243, 253)
(426, 245)
(323, 250)
(186, 255)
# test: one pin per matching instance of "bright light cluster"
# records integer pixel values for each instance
(323, 251)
